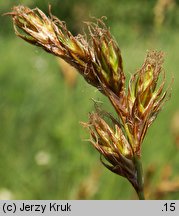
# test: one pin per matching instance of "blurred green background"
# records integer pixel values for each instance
(42, 149)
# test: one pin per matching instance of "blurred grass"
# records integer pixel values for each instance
(39, 113)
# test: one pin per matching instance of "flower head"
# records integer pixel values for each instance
(99, 61)
(107, 57)
(112, 144)
(145, 97)
(120, 143)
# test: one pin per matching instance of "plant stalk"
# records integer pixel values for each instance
(140, 178)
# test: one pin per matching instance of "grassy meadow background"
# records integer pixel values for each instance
(43, 154)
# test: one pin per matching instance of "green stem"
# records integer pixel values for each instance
(140, 189)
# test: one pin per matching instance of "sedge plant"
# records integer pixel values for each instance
(98, 59)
